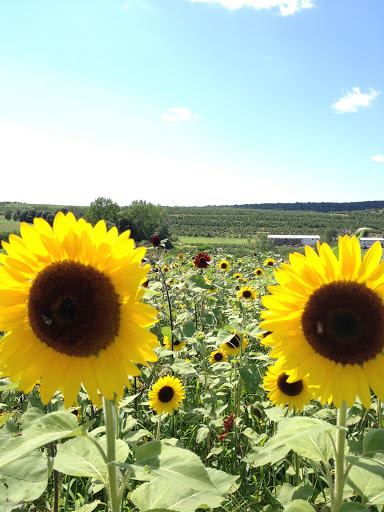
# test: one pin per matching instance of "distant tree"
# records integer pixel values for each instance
(145, 220)
(328, 236)
(15, 215)
(8, 214)
(103, 208)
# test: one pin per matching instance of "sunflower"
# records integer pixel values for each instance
(166, 395)
(235, 345)
(177, 344)
(180, 256)
(212, 288)
(218, 356)
(247, 293)
(269, 262)
(327, 318)
(202, 260)
(292, 394)
(165, 268)
(237, 276)
(259, 272)
(156, 241)
(224, 265)
(70, 303)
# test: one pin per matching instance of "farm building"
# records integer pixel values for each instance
(366, 242)
(294, 239)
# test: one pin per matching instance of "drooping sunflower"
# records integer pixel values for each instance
(292, 394)
(237, 276)
(177, 344)
(326, 319)
(218, 356)
(247, 293)
(166, 395)
(70, 303)
(269, 262)
(212, 288)
(202, 260)
(224, 265)
(235, 345)
(259, 272)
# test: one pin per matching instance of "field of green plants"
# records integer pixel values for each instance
(226, 446)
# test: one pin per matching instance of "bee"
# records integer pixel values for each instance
(320, 328)
(47, 319)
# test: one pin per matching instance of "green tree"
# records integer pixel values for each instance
(8, 214)
(145, 220)
(103, 208)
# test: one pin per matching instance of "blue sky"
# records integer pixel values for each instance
(182, 102)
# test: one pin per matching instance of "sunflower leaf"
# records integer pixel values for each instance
(366, 476)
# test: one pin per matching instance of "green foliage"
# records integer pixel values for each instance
(103, 208)
(145, 220)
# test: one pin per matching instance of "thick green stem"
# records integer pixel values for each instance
(110, 430)
(340, 457)
(379, 414)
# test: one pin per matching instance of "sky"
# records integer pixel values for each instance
(191, 102)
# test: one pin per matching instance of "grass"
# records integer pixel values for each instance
(8, 225)
(192, 240)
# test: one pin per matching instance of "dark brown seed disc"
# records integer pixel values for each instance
(289, 389)
(343, 321)
(247, 294)
(74, 309)
(166, 394)
(235, 342)
(218, 356)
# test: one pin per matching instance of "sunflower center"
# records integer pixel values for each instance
(176, 342)
(247, 294)
(289, 388)
(235, 342)
(166, 394)
(343, 321)
(270, 263)
(218, 356)
(202, 262)
(258, 272)
(74, 309)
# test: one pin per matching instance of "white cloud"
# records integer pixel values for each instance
(354, 99)
(178, 114)
(286, 7)
(377, 158)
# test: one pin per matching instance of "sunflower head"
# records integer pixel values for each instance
(202, 260)
(177, 344)
(259, 272)
(281, 392)
(236, 345)
(180, 256)
(326, 320)
(247, 293)
(75, 309)
(156, 241)
(166, 395)
(224, 266)
(218, 356)
(269, 262)
(237, 276)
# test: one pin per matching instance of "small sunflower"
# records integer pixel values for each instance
(326, 319)
(224, 265)
(269, 262)
(218, 356)
(156, 241)
(235, 345)
(165, 268)
(180, 256)
(177, 344)
(166, 395)
(237, 276)
(247, 293)
(70, 303)
(292, 394)
(202, 260)
(212, 288)
(259, 272)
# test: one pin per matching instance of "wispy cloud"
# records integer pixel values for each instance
(377, 158)
(354, 99)
(286, 7)
(178, 114)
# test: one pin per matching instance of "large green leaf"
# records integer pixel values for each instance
(367, 476)
(288, 493)
(299, 506)
(80, 457)
(43, 430)
(179, 480)
(374, 441)
(23, 480)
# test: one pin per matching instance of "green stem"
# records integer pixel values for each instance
(379, 414)
(340, 457)
(157, 438)
(110, 431)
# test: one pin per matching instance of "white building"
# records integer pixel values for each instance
(366, 242)
(294, 240)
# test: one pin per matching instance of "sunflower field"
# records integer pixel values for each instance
(143, 379)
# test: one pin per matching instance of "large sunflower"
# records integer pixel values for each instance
(326, 319)
(281, 392)
(166, 395)
(235, 345)
(70, 303)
